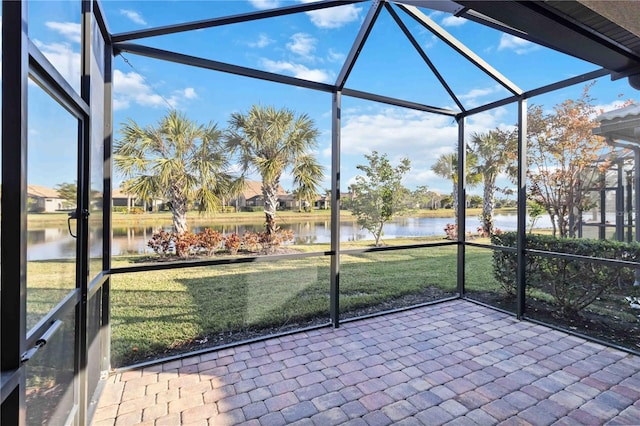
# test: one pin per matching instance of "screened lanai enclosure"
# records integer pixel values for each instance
(444, 150)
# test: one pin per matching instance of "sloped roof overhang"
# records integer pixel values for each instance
(620, 124)
(603, 33)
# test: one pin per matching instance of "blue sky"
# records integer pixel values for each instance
(311, 46)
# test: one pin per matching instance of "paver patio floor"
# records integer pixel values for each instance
(453, 363)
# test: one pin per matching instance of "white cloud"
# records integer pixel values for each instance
(334, 17)
(190, 93)
(297, 70)
(487, 120)
(70, 30)
(265, 4)
(453, 21)
(303, 45)
(263, 41)
(518, 45)
(401, 133)
(133, 16)
(130, 88)
(392, 130)
(473, 96)
(334, 56)
(64, 59)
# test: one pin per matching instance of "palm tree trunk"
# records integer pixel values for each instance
(488, 205)
(270, 194)
(179, 212)
(455, 201)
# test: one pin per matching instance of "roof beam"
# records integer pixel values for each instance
(193, 61)
(397, 102)
(541, 24)
(443, 35)
(234, 19)
(423, 55)
(358, 44)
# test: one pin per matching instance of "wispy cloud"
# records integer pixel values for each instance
(303, 45)
(516, 44)
(391, 130)
(265, 4)
(69, 30)
(131, 88)
(453, 21)
(334, 56)
(133, 16)
(296, 70)
(334, 17)
(474, 95)
(263, 41)
(64, 59)
(190, 93)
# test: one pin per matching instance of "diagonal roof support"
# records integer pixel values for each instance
(454, 43)
(234, 19)
(424, 56)
(361, 38)
(165, 55)
(398, 102)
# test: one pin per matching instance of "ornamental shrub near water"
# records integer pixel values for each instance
(573, 284)
(209, 242)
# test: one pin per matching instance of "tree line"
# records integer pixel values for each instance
(564, 162)
(187, 163)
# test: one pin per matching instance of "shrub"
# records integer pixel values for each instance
(271, 242)
(251, 241)
(451, 230)
(573, 284)
(209, 241)
(161, 242)
(232, 243)
(186, 244)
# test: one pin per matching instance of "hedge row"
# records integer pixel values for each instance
(573, 284)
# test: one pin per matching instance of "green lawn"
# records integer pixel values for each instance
(160, 310)
(156, 313)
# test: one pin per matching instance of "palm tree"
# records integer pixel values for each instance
(496, 152)
(307, 176)
(446, 166)
(178, 160)
(270, 141)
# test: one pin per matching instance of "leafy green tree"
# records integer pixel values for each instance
(421, 197)
(446, 166)
(496, 152)
(271, 141)
(179, 160)
(474, 201)
(377, 194)
(535, 210)
(68, 192)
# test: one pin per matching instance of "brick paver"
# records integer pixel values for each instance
(454, 363)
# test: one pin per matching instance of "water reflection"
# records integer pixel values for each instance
(55, 242)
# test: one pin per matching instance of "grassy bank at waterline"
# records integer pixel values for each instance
(36, 220)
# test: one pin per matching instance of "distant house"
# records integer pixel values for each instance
(323, 202)
(46, 200)
(252, 196)
(120, 198)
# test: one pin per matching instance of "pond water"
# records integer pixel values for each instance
(55, 242)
